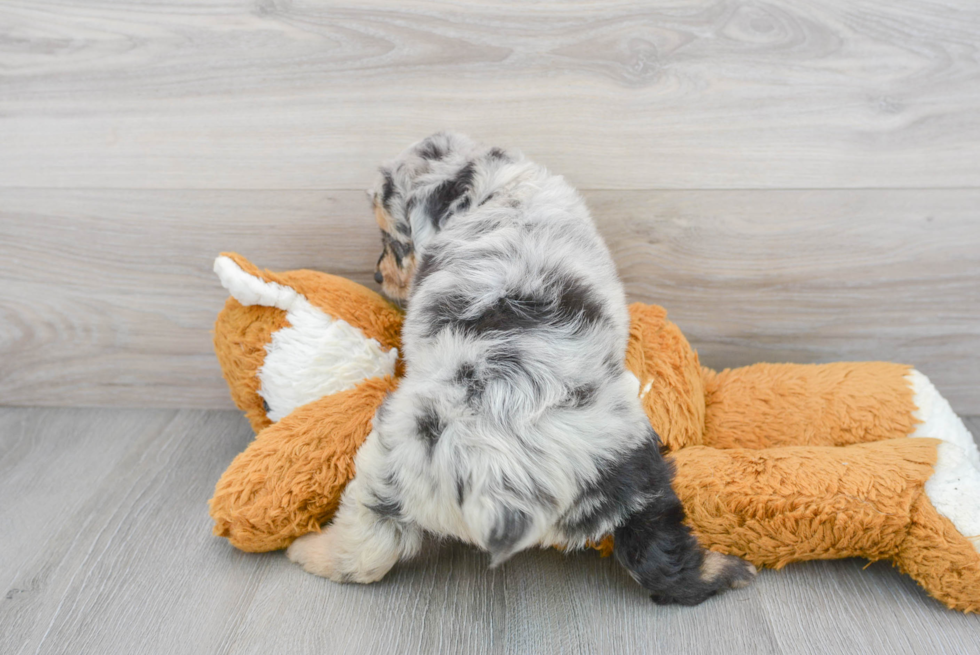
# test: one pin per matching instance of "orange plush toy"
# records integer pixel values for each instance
(775, 463)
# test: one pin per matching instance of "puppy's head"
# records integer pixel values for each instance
(413, 197)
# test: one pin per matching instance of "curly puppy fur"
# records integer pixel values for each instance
(516, 423)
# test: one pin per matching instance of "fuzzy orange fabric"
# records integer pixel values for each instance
(337, 296)
(671, 387)
(241, 334)
(780, 505)
(289, 480)
(774, 462)
(766, 405)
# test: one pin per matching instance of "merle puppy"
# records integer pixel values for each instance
(516, 423)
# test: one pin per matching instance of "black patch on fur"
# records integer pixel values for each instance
(651, 540)
(614, 365)
(387, 189)
(508, 363)
(575, 299)
(583, 396)
(429, 151)
(505, 358)
(440, 201)
(401, 251)
(621, 485)
(387, 508)
(427, 267)
(429, 426)
(398, 249)
(662, 555)
(265, 406)
(460, 491)
(495, 154)
(467, 377)
(562, 300)
(486, 200)
(507, 530)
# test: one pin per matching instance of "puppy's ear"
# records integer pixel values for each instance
(451, 196)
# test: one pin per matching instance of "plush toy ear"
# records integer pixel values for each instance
(335, 296)
(287, 339)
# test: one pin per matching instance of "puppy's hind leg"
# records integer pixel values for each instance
(662, 555)
(653, 543)
(368, 535)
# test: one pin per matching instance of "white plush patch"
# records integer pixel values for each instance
(938, 420)
(317, 355)
(954, 490)
(954, 487)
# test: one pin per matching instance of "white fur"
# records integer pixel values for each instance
(316, 355)
(954, 487)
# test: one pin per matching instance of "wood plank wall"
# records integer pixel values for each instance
(794, 181)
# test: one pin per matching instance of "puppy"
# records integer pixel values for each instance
(516, 423)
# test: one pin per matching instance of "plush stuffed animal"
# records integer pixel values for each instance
(775, 463)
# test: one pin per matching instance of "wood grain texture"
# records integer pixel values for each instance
(302, 94)
(105, 547)
(107, 296)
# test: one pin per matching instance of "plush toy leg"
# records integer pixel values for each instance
(875, 500)
(289, 480)
(767, 405)
(367, 536)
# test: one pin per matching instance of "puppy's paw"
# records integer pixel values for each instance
(316, 553)
(726, 571)
(325, 554)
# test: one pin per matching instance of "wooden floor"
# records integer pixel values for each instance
(105, 547)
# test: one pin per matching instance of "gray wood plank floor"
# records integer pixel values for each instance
(105, 547)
